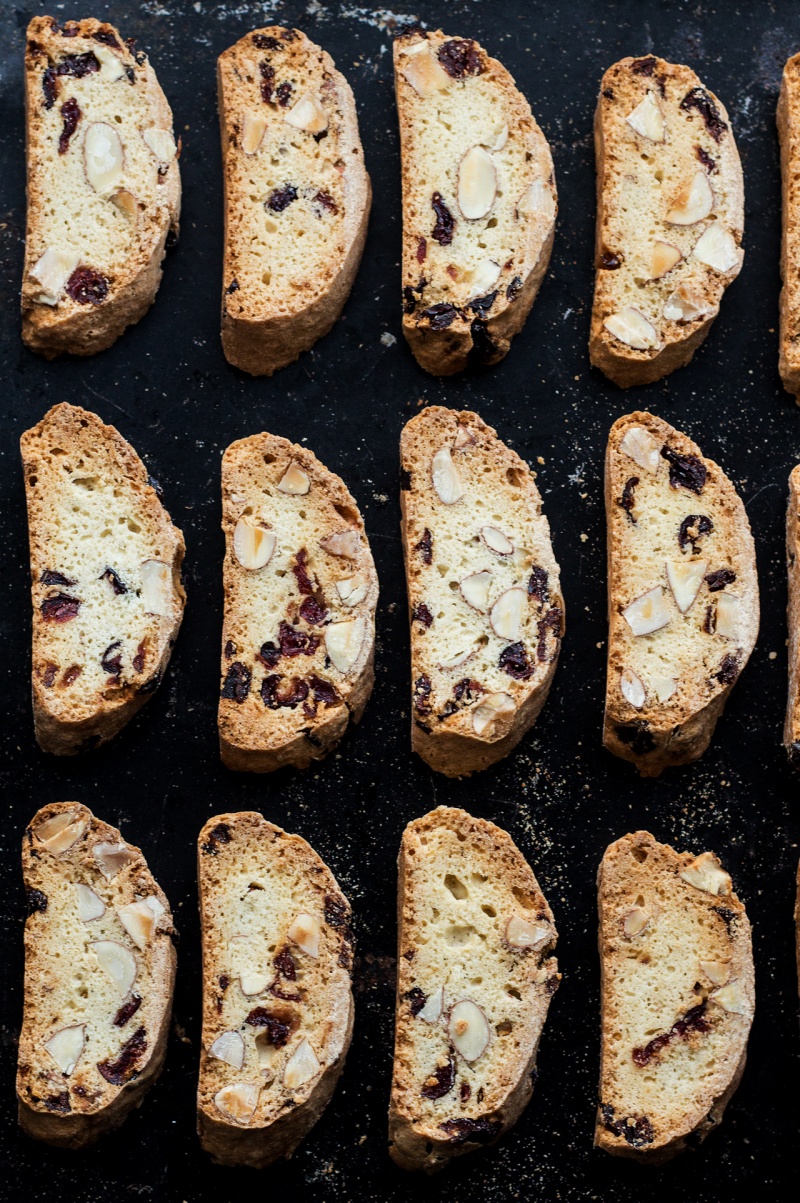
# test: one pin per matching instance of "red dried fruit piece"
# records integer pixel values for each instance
(692, 529)
(112, 664)
(480, 1130)
(425, 546)
(230, 649)
(220, 834)
(138, 659)
(466, 1091)
(59, 1102)
(706, 159)
(416, 999)
(466, 689)
(323, 691)
(71, 675)
(422, 693)
(49, 675)
(693, 1021)
(549, 625)
(50, 87)
(275, 697)
(122, 1070)
(71, 112)
(36, 901)
(107, 37)
(312, 612)
(728, 670)
(422, 250)
(267, 81)
(643, 66)
(60, 607)
(127, 1010)
(710, 620)
(441, 1081)
(514, 289)
(300, 570)
(336, 913)
(280, 198)
(422, 615)
(114, 580)
(483, 304)
(627, 500)
(685, 471)
(49, 577)
(699, 99)
(636, 1130)
(719, 579)
(284, 963)
(514, 661)
(86, 286)
(264, 42)
(445, 222)
(294, 642)
(538, 584)
(268, 655)
(326, 201)
(610, 261)
(237, 682)
(278, 1030)
(284, 93)
(460, 57)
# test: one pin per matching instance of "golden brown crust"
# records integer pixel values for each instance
(791, 726)
(787, 120)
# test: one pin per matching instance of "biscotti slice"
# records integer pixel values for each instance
(277, 996)
(105, 579)
(791, 726)
(678, 996)
(297, 197)
(298, 637)
(99, 973)
(104, 189)
(788, 118)
(479, 201)
(487, 616)
(670, 218)
(682, 594)
(475, 975)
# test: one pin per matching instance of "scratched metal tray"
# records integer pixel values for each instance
(168, 389)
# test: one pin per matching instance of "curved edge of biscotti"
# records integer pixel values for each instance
(413, 1149)
(262, 347)
(72, 1131)
(684, 743)
(631, 368)
(93, 328)
(692, 1137)
(789, 352)
(791, 725)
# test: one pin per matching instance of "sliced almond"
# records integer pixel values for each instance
(477, 183)
(648, 613)
(663, 687)
(537, 199)
(731, 998)
(706, 873)
(496, 541)
(665, 257)
(483, 277)
(301, 1067)
(717, 972)
(308, 114)
(161, 143)
(254, 983)
(140, 919)
(111, 67)
(468, 1029)
(294, 481)
(632, 688)
(52, 270)
(228, 1047)
(521, 933)
(685, 578)
(253, 127)
(111, 858)
(103, 158)
(492, 715)
(475, 590)
(635, 921)
(158, 588)
(90, 905)
(464, 438)
(66, 1045)
(632, 328)
(305, 932)
(238, 1102)
(423, 71)
(694, 202)
(500, 139)
(639, 444)
(508, 614)
(687, 304)
(59, 833)
(728, 612)
(647, 119)
(118, 963)
(343, 543)
(126, 202)
(434, 1005)
(351, 591)
(252, 545)
(456, 659)
(343, 642)
(446, 480)
(716, 247)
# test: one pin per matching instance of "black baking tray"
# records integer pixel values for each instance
(168, 389)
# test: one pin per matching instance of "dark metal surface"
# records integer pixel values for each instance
(168, 389)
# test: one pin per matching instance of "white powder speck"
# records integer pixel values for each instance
(388, 339)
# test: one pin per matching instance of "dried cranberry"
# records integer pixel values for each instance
(538, 584)
(464, 1129)
(441, 1081)
(267, 81)
(706, 159)
(127, 1010)
(514, 289)
(275, 697)
(698, 98)
(71, 112)
(59, 1102)
(220, 834)
(637, 1131)
(326, 200)
(280, 198)
(710, 620)
(692, 529)
(294, 642)
(422, 250)
(49, 577)
(60, 607)
(637, 736)
(483, 304)
(693, 1021)
(643, 66)
(71, 675)
(107, 37)
(610, 260)
(264, 42)
(422, 615)
(514, 661)
(416, 999)
(719, 579)
(445, 222)
(278, 1031)
(237, 682)
(728, 670)
(336, 912)
(300, 570)
(460, 57)
(312, 612)
(549, 625)
(284, 963)
(87, 287)
(422, 693)
(269, 654)
(138, 659)
(409, 300)
(727, 916)
(284, 93)
(466, 1091)
(685, 471)
(49, 675)
(483, 349)
(323, 691)
(425, 547)
(50, 87)
(466, 689)
(112, 664)
(114, 581)
(79, 65)
(123, 1069)
(37, 901)
(627, 500)
(440, 316)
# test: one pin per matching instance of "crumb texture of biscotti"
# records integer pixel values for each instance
(105, 579)
(277, 996)
(485, 604)
(297, 196)
(298, 637)
(104, 188)
(99, 974)
(788, 118)
(683, 606)
(678, 997)
(475, 976)
(479, 201)
(791, 727)
(670, 218)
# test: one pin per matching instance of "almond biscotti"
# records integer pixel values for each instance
(475, 976)
(678, 997)
(298, 638)
(683, 607)
(791, 726)
(277, 997)
(670, 217)
(487, 616)
(99, 974)
(297, 197)
(104, 188)
(788, 118)
(479, 201)
(105, 579)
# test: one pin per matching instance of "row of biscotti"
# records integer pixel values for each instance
(485, 603)
(475, 976)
